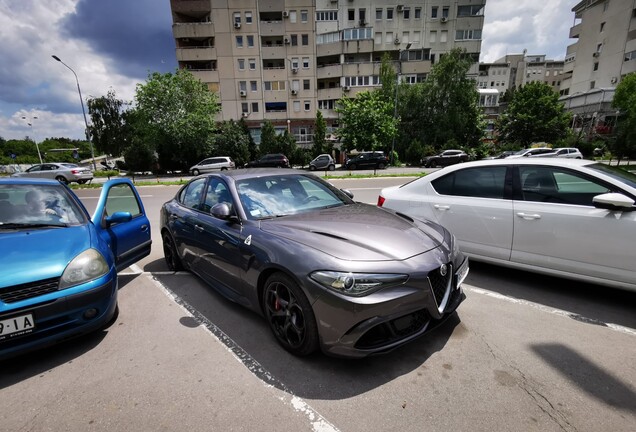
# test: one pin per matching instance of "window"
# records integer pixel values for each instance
(418, 13)
(306, 84)
(443, 37)
(253, 86)
(445, 12)
(304, 14)
(294, 40)
(241, 64)
(630, 56)
(294, 62)
(472, 10)
(602, 26)
(416, 38)
(595, 68)
(252, 63)
(362, 14)
(275, 85)
(605, 5)
(243, 85)
(250, 41)
(433, 36)
(484, 182)
(389, 14)
(378, 14)
(244, 107)
(255, 107)
(296, 105)
(406, 13)
(467, 35)
(556, 185)
(295, 85)
(358, 33)
(434, 12)
(378, 38)
(327, 16)
(305, 62)
(328, 104)
(305, 39)
(239, 41)
(293, 16)
(389, 38)
(237, 17)
(592, 84)
(307, 105)
(351, 14)
(248, 17)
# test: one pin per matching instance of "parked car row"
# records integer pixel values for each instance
(61, 171)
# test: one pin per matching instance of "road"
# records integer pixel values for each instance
(524, 352)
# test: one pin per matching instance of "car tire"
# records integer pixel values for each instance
(195, 172)
(312, 168)
(81, 181)
(289, 315)
(352, 166)
(170, 253)
(61, 179)
(433, 164)
(380, 165)
(332, 167)
(223, 168)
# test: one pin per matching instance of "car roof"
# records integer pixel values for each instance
(525, 161)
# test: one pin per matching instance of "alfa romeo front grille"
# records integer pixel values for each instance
(441, 285)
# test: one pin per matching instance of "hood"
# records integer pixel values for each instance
(32, 255)
(358, 232)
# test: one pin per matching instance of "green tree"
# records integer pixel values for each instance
(388, 78)
(232, 140)
(534, 114)
(320, 133)
(181, 109)
(251, 145)
(624, 100)
(368, 122)
(268, 139)
(107, 123)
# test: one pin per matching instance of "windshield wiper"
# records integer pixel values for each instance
(13, 225)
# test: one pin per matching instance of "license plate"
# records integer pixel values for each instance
(16, 326)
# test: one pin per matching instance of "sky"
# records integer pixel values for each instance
(115, 44)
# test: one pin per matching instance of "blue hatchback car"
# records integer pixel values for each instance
(58, 272)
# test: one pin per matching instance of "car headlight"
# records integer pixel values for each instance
(357, 284)
(85, 267)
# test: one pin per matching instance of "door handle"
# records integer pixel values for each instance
(199, 228)
(174, 217)
(529, 216)
(441, 207)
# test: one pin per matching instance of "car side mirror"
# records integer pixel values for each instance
(223, 211)
(118, 217)
(614, 202)
(347, 192)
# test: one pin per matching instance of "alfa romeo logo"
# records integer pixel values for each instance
(443, 270)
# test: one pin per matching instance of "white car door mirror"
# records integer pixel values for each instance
(614, 201)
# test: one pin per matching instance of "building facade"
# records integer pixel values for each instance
(285, 60)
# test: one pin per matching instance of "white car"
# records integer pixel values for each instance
(568, 152)
(533, 152)
(563, 217)
(221, 163)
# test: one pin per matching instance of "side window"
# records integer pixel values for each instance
(554, 185)
(486, 182)
(121, 198)
(216, 192)
(191, 196)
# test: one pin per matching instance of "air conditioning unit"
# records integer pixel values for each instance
(285, 14)
(614, 80)
(243, 93)
(237, 25)
(346, 88)
(294, 92)
(397, 41)
(596, 54)
(286, 41)
(400, 8)
(244, 115)
(443, 19)
(294, 70)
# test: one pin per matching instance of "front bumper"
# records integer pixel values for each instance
(385, 320)
(62, 318)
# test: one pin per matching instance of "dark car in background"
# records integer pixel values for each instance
(327, 273)
(273, 160)
(368, 160)
(445, 158)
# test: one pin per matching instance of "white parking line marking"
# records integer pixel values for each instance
(318, 423)
(615, 327)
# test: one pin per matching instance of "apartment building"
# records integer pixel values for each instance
(285, 60)
(516, 70)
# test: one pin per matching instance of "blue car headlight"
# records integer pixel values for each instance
(357, 284)
(85, 267)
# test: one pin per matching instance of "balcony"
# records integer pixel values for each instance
(329, 71)
(191, 10)
(272, 28)
(575, 31)
(196, 54)
(193, 30)
(329, 93)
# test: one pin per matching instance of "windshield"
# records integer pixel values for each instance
(282, 195)
(615, 172)
(29, 205)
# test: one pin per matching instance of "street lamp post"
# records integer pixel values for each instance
(88, 136)
(30, 123)
(397, 84)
